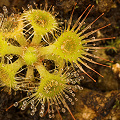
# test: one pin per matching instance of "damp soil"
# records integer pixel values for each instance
(98, 100)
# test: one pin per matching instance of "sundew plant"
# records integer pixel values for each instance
(39, 57)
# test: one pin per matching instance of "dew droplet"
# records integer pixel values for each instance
(41, 114)
(53, 115)
(73, 82)
(93, 38)
(49, 111)
(82, 77)
(32, 113)
(42, 106)
(63, 110)
(32, 107)
(76, 99)
(70, 99)
(73, 94)
(67, 80)
(66, 96)
(5, 9)
(16, 104)
(50, 116)
(32, 102)
(23, 107)
(25, 102)
(72, 103)
(70, 91)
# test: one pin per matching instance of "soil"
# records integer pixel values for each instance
(97, 101)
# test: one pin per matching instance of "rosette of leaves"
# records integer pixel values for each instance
(23, 65)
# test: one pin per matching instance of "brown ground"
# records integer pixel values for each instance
(97, 101)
